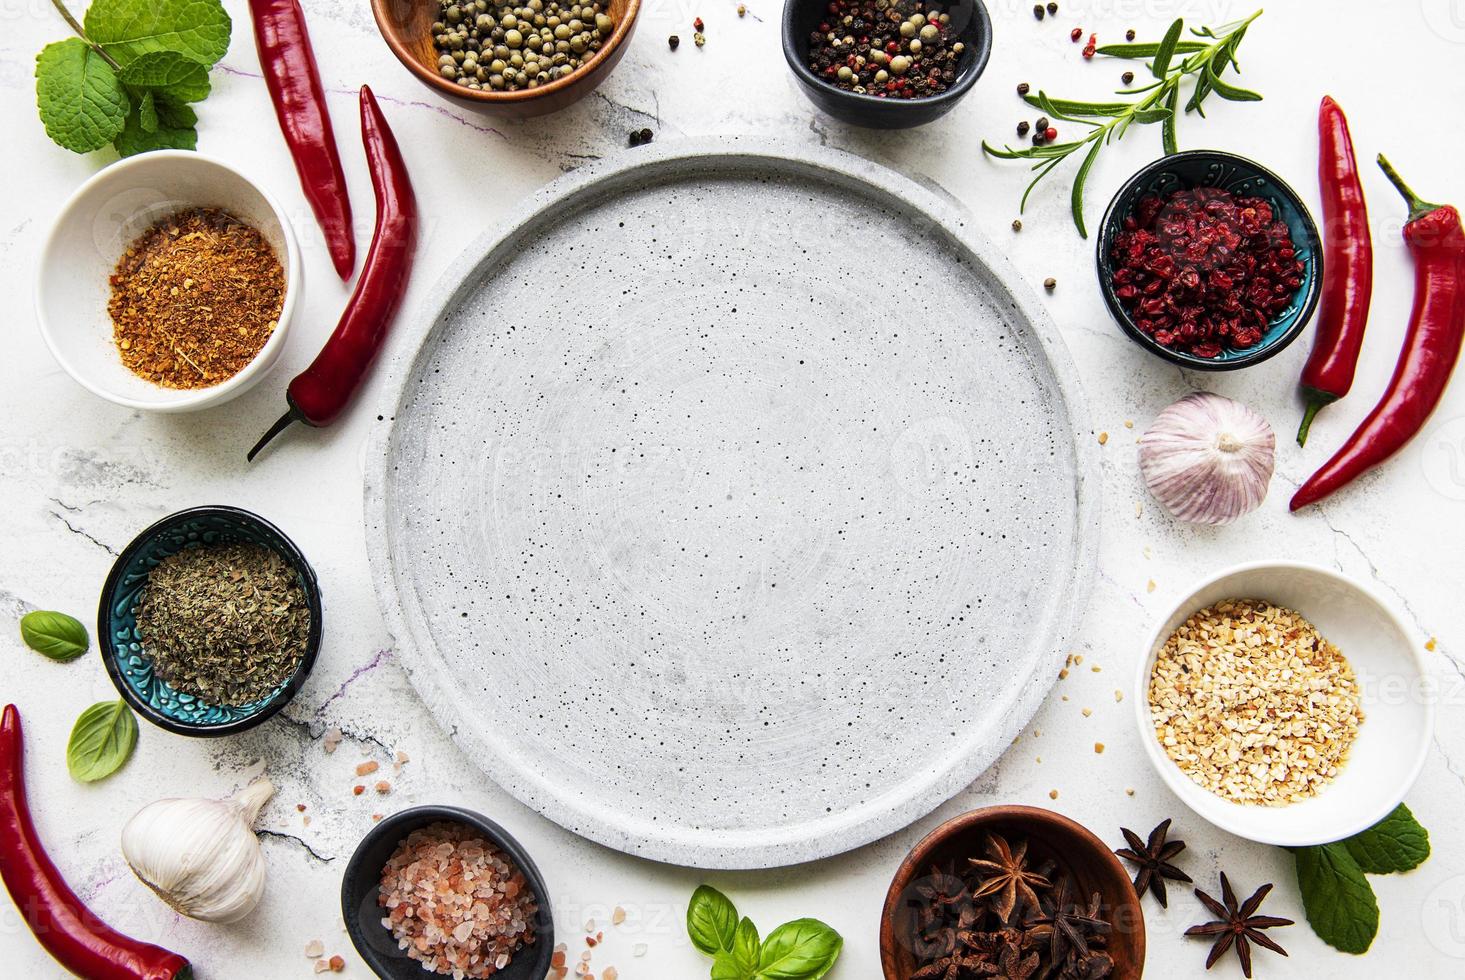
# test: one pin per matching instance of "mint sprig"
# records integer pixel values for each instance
(129, 74)
(1339, 901)
(804, 949)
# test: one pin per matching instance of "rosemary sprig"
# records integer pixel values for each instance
(1171, 61)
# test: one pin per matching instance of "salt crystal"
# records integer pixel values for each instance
(332, 740)
(315, 949)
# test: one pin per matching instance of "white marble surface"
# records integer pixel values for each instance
(80, 476)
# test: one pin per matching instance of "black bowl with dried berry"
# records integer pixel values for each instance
(886, 65)
(1011, 891)
(1210, 261)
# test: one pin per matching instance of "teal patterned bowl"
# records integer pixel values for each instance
(1215, 168)
(122, 653)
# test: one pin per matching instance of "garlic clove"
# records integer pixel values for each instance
(201, 856)
(1208, 459)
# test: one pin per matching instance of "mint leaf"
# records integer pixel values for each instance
(54, 635)
(128, 29)
(174, 114)
(147, 113)
(804, 949)
(136, 138)
(1340, 904)
(1396, 843)
(712, 921)
(179, 76)
(82, 105)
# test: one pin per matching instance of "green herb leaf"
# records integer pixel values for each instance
(1169, 138)
(147, 113)
(1166, 50)
(54, 634)
(1067, 107)
(804, 949)
(725, 966)
(712, 921)
(182, 78)
(82, 105)
(1146, 116)
(1078, 182)
(1340, 904)
(1394, 844)
(174, 115)
(746, 946)
(1228, 91)
(137, 138)
(101, 741)
(1147, 49)
(128, 29)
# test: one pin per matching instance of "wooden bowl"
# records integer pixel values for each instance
(407, 27)
(1050, 836)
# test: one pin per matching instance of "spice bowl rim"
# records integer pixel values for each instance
(1095, 853)
(107, 645)
(1335, 816)
(360, 882)
(606, 58)
(51, 274)
(1311, 288)
(859, 108)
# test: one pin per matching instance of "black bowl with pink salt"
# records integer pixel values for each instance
(438, 890)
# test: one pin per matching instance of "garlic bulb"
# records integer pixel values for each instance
(201, 856)
(1208, 459)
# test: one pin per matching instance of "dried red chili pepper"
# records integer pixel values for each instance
(321, 392)
(1436, 240)
(69, 931)
(1348, 259)
(288, 63)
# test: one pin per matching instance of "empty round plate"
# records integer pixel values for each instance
(734, 510)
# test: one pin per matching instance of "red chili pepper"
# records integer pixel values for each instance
(321, 392)
(68, 930)
(1348, 259)
(1436, 240)
(290, 73)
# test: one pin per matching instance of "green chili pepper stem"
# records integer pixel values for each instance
(1315, 401)
(1418, 207)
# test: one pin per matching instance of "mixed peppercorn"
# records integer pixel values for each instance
(507, 47)
(1204, 270)
(900, 50)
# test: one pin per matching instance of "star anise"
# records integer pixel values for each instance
(1153, 858)
(1070, 926)
(1008, 878)
(1237, 924)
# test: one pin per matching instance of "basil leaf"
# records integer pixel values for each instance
(101, 741)
(1166, 50)
(726, 966)
(804, 949)
(1340, 904)
(746, 945)
(1396, 843)
(54, 634)
(712, 921)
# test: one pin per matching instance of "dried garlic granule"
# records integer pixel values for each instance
(1253, 704)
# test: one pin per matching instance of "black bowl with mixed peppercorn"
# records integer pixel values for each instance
(886, 65)
(1210, 261)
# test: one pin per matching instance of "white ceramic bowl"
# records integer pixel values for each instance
(104, 216)
(1398, 695)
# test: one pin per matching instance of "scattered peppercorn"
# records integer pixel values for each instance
(742, 10)
(699, 39)
(1127, 78)
(1088, 51)
(1041, 124)
(1022, 128)
(1023, 88)
(1050, 284)
(1017, 224)
(1052, 8)
(697, 24)
(1050, 134)
(673, 41)
(647, 136)
(1129, 34)
(635, 137)
(1038, 11)
(1075, 34)
(1038, 138)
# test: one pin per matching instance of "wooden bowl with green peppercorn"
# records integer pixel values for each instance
(512, 58)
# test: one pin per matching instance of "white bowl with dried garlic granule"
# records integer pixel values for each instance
(1286, 703)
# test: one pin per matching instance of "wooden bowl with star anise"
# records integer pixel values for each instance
(1012, 891)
